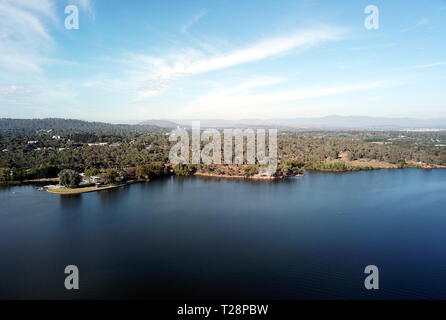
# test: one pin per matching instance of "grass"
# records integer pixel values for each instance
(63, 190)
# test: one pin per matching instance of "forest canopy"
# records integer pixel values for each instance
(33, 149)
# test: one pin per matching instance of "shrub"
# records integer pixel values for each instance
(111, 176)
(90, 172)
(69, 178)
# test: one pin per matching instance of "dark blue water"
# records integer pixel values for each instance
(185, 238)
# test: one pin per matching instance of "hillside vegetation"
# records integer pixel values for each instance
(33, 149)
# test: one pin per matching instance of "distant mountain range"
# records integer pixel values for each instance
(162, 123)
(323, 123)
(328, 122)
(57, 124)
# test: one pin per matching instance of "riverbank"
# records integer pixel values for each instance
(64, 190)
(55, 180)
(328, 165)
(43, 180)
(342, 165)
(371, 164)
(227, 176)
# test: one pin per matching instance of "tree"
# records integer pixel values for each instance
(401, 164)
(69, 178)
(250, 170)
(182, 170)
(6, 175)
(92, 172)
(289, 168)
(110, 176)
(130, 173)
(151, 170)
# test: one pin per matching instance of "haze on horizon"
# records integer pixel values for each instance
(214, 60)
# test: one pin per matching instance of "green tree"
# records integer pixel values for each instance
(401, 164)
(111, 176)
(69, 178)
(6, 175)
(151, 170)
(182, 170)
(290, 167)
(250, 170)
(90, 172)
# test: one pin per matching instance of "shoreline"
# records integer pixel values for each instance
(70, 191)
(55, 180)
(73, 191)
(213, 175)
(254, 177)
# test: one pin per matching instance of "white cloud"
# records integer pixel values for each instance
(424, 66)
(44, 7)
(27, 48)
(25, 38)
(84, 5)
(237, 102)
(37, 97)
(195, 18)
(6, 91)
(24, 35)
(422, 22)
(159, 72)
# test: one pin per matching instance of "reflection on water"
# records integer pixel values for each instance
(197, 237)
(113, 196)
(4, 188)
(70, 201)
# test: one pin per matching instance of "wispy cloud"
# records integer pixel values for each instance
(195, 18)
(422, 22)
(44, 7)
(378, 46)
(159, 72)
(237, 102)
(36, 97)
(27, 49)
(424, 66)
(84, 5)
(25, 38)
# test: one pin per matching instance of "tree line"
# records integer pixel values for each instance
(35, 149)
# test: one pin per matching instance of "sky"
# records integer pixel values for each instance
(224, 59)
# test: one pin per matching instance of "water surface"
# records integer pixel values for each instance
(185, 238)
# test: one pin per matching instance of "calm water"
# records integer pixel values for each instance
(187, 238)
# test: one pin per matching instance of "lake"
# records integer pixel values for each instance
(185, 238)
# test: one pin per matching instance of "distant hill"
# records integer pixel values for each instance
(56, 124)
(362, 122)
(160, 123)
(330, 122)
(324, 123)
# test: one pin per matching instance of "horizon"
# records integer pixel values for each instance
(205, 60)
(227, 119)
(325, 122)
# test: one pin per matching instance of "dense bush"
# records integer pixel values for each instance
(91, 172)
(138, 151)
(182, 170)
(69, 178)
(151, 170)
(112, 176)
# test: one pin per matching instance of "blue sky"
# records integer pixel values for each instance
(136, 60)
